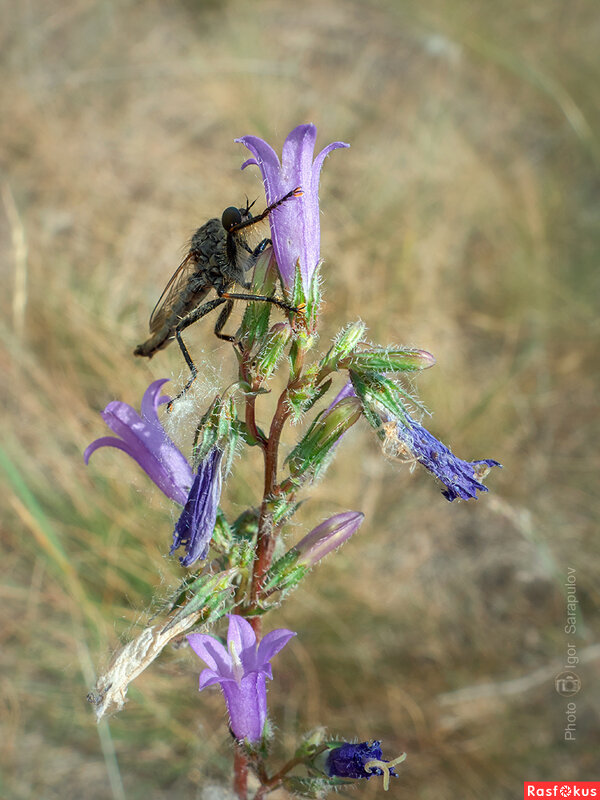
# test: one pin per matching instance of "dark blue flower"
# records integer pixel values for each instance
(195, 526)
(361, 760)
(461, 478)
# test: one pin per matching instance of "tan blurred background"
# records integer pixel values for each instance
(464, 219)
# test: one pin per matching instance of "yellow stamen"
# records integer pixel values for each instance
(385, 767)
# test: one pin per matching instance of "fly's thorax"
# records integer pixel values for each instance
(209, 240)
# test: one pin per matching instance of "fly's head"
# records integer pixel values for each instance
(232, 216)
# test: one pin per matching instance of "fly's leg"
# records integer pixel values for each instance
(223, 317)
(262, 298)
(254, 255)
(297, 192)
(188, 320)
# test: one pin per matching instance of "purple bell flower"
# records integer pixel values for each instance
(361, 760)
(461, 478)
(195, 526)
(241, 669)
(295, 226)
(146, 441)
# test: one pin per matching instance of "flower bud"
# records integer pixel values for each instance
(312, 450)
(290, 569)
(327, 536)
(382, 359)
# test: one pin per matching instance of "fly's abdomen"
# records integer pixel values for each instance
(162, 334)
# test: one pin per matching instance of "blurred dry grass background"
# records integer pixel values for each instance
(463, 220)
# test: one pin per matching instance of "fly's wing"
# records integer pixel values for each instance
(172, 292)
(247, 240)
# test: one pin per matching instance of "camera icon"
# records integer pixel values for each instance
(567, 684)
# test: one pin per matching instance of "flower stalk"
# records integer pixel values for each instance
(234, 571)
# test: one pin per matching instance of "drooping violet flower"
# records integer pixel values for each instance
(412, 442)
(146, 441)
(241, 669)
(327, 536)
(295, 225)
(361, 760)
(195, 526)
(461, 478)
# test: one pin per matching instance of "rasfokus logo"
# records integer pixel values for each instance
(561, 789)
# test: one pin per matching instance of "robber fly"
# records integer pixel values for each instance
(220, 254)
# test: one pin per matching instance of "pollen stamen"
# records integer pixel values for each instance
(238, 668)
(385, 767)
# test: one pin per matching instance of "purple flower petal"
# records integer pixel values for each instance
(242, 638)
(208, 677)
(271, 644)
(152, 400)
(348, 761)
(211, 651)
(195, 526)
(328, 536)
(295, 225)
(461, 478)
(242, 679)
(247, 706)
(106, 441)
(145, 440)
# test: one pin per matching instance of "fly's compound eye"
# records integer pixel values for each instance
(231, 217)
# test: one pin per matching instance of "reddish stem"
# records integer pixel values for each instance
(240, 774)
(267, 532)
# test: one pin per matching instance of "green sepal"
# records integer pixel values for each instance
(312, 742)
(343, 345)
(303, 397)
(298, 298)
(248, 390)
(222, 537)
(284, 573)
(313, 300)
(382, 359)
(282, 509)
(255, 322)
(298, 345)
(242, 430)
(245, 531)
(205, 592)
(312, 450)
(316, 395)
(271, 350)
(378, 392)
(215, 428)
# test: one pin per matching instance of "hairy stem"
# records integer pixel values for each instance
(240, 774)
(267, 532)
